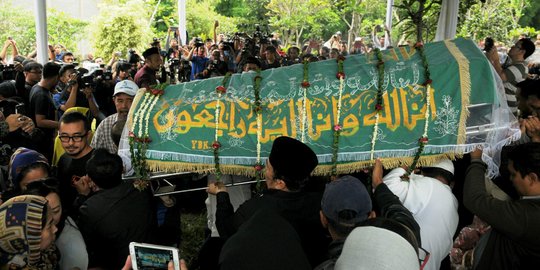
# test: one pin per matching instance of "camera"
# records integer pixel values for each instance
(7, 72)
(199, 42)
(11, 106)
(488, 44)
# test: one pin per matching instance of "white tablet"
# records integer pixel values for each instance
(153, 257)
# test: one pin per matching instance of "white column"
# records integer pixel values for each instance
(389, 8)
(447, 25)
(41, 32)
(182, 26)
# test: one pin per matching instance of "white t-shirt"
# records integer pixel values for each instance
(433, 206)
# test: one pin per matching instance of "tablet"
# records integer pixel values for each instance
(153, 257)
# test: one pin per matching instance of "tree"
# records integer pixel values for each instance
(359, 16)
(120, 27)
(294, 18)
(531, 15)
(16, 23)
(418, 18)
(486, 19)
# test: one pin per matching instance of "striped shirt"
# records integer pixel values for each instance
(515, 73)
(102, 138)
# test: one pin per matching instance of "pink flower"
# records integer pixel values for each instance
(428, 81)
(131, 134)
(340, 75)
(305, 84)
(419, 45)
(258, 167)
(423, 140)
(337, 127)
(216, 145)
(341, 58)
(378, 107)
(221, 89)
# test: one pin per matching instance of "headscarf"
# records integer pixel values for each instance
(21, 221)
(20, 159)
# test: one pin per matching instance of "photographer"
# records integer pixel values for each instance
(214, 68)
(146, 76)
(32, 75)
(293, 56)
(226, 50)
(512, 72)
(69, 95)
(358, 46)
(272, 59)
(198, 59)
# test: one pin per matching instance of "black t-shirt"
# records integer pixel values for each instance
(68, 168)
(41, 102)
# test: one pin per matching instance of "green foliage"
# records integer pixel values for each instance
(165, 17)
(531, 15)
(16, 23)
(529, 31)
(201, 17)
(488, 19)
(301, 19)
(418, 19)
(121, 27)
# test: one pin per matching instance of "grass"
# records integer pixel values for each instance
(193, 236)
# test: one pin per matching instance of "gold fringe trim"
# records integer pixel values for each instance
(321, 170)
(465, 85)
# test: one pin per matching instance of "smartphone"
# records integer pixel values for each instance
(20, 109)
(153, 257)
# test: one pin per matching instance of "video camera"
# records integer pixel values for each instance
(7, 72)
(199, 42)
(90, 79)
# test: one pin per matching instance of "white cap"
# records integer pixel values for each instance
(358, 39)
(127, 87)
(444, 164)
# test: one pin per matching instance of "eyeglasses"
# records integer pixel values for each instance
(49, 182)
(75, 138)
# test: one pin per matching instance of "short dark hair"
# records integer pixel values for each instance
(65, 68)
(8, 89)
(526, 158)
(105, 169)
(528, 46)
(43, 187)
(50, 70)
(253, 60)
(31, 65)
(66, 54)
(346, 224)
(529, 87)
(74, 117)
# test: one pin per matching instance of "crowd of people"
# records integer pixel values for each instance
(64, 204)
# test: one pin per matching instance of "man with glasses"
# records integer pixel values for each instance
(32, 75)
(514, 72)
(73, 134)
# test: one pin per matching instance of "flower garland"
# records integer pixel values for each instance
(379, 102)
(138, 141)
(305, 85)
(220, 90)
(423, 140)
(340, 75)
(257, 108)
